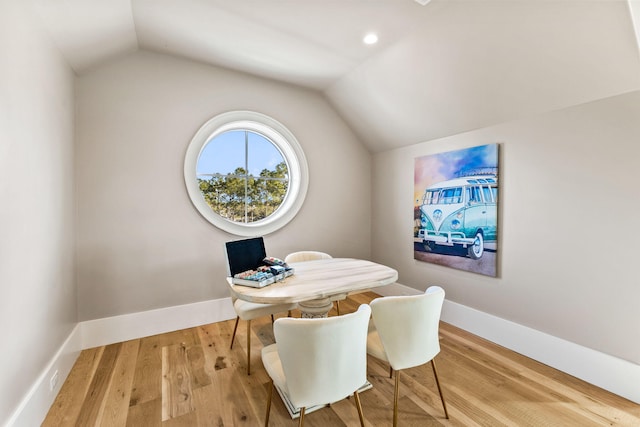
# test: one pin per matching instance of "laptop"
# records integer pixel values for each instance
(243, 255)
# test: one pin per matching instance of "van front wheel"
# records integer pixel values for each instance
(476, 250)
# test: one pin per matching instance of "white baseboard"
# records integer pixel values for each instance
(608, 372)
(36, 403)
(605, 371)
(396, 289)
(616, 375)
(115, 329)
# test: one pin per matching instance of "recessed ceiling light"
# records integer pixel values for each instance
(370, 38)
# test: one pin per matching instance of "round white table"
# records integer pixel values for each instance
(316, 284)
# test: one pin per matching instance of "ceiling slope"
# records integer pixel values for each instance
(474, 64)
(440, 69)
(303, 42)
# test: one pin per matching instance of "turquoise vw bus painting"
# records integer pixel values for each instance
(456, 209)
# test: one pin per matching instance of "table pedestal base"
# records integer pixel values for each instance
(315, 308)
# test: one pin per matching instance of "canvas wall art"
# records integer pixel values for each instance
(456, 209)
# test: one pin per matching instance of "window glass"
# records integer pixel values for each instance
(486, 192)
(211, 158)
(430, 197)
(227, 187)
(451, 195)
(473, 194)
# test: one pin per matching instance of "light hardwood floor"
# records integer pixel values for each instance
(191, 378)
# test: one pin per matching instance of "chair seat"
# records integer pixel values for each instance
(250, 310)
(273, 366)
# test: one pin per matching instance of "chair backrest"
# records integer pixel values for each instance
(306, 256)
(408, 326)
(324, 359)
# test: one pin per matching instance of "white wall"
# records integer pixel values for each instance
(38, 304)
(568, 216)
(141, 243)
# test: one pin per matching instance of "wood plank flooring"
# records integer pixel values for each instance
(192, 378)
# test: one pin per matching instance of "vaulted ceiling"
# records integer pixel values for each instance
(440, 69)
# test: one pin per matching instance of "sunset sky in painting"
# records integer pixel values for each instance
(439, 167)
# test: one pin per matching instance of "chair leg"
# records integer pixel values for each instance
(390, 372)
(301, 420)
(289, 313)
(235, 328)
(248, 347)
(359, 406)
(338, 307)
(435, 373)
(395, 399)
(266, 418)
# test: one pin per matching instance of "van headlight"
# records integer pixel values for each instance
(455, 224)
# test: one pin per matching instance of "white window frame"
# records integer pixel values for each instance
(282, 138)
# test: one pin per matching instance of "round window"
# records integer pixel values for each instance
(246, 173)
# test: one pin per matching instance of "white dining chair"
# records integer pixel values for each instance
(306, 256)
(248, 311)
(404, 333)
(318, 361)
(301, 256)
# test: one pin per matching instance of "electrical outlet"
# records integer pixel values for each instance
(53, 382)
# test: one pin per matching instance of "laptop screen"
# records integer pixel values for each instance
(243, 255)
